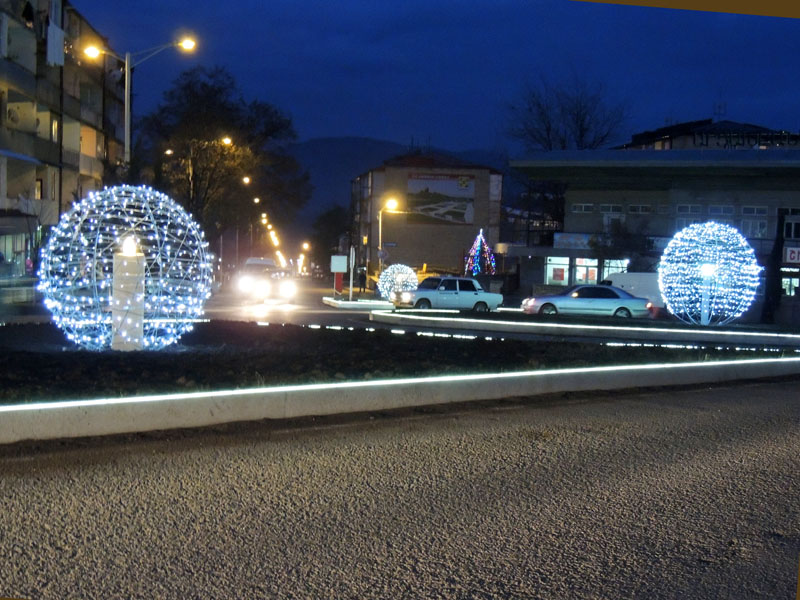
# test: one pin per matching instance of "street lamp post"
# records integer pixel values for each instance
(132, 61)
(390, 206)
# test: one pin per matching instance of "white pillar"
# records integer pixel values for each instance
(127, 302)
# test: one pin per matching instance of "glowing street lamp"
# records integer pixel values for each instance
(390, 206)
(186, 44)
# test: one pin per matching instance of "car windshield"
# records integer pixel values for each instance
(257, 269)
(429, 283)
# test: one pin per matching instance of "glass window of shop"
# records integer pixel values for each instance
(557, 270)
(615, 266)
(790, 282)
(585, 270)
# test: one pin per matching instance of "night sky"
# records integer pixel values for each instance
(442, 73)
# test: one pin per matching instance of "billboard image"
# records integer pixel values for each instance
(441, 198)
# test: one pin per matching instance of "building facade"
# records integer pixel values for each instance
(61, 121)
(738, 174)
(442, 204)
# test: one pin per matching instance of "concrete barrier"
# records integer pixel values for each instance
(81, 418)
(612, 332)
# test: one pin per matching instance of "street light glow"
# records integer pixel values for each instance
(187, 44)
(245, 179)
(256, 200)
(92, 51)
(227, 141)
(391, 204)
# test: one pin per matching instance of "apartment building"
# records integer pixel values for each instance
(61, 121)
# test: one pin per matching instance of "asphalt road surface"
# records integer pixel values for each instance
(665, 494)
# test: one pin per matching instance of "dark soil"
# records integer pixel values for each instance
(38, 363)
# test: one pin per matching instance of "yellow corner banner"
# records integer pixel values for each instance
(763, 8)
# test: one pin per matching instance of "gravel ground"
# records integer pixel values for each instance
(666, 494)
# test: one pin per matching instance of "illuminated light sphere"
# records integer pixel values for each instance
(708, 274)
(397, 278)
(76, 268)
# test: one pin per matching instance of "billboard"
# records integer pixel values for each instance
(440, 198)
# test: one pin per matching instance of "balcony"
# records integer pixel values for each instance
(91, 166)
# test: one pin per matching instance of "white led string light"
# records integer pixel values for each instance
(397, 278)
(708, 274)
(76, 269)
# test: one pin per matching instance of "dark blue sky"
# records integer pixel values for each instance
(444, 71)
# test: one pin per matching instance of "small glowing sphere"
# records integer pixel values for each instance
(396, 278)
(76, 269)
(708, 274)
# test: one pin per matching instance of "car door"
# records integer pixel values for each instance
(447, 294)
(607, 301)
(468, 295)
(582, 301)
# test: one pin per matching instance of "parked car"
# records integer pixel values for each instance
(260, 281)
(591, 300)
(459, 293)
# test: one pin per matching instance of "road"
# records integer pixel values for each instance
(664, 494)
(306, 309)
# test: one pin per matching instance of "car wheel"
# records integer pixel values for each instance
(480, 307)
(423, 304)
(548, 309)
(623, 313)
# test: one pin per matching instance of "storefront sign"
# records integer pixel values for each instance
(791, 255)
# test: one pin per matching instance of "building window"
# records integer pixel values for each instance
(754, 228)
(585, 270)
(582, 208)
(664, 209)
(689, 209)
(557, 270)
(719, 210)
(610, 208)
(754, 211)
(639, 209)
(615, 266)
(791, 230)
(681, 223)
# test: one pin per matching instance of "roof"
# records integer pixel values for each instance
(779, 158)
(431, 160)
(701, 127)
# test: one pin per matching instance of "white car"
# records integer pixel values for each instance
(459, 293)
(591, 300)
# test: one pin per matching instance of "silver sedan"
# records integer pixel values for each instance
(590, 300)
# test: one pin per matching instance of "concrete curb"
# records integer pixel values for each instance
(451, 320)
(357, 304)
(71, 419)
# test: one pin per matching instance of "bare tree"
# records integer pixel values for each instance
(573, 114)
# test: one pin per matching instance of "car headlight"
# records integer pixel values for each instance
(245, 284)
(287, 289)
(405, 297)
(528, 302)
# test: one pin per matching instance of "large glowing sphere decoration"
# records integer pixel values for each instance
(708, 274)
(76, 269)
(396, 278)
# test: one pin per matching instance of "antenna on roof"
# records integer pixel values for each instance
(720, 109)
